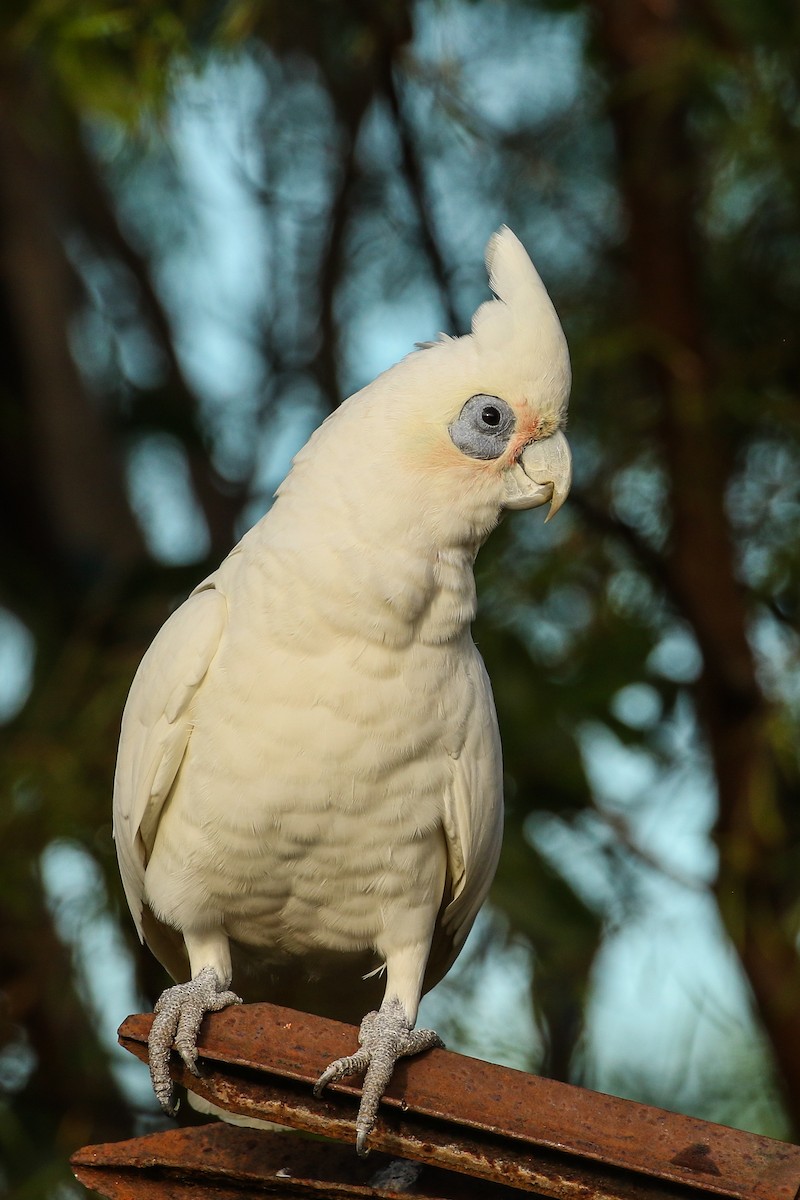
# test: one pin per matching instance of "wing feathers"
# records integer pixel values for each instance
(473, 821)
(156, 726)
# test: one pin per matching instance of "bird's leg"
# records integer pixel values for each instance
(180, 1010)
(384, 1036)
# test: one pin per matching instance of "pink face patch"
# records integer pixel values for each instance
(526, 431)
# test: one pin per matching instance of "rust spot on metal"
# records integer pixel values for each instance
(697, 1157)
(482, 1120)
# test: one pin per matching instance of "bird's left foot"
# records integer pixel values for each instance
(384, 1037)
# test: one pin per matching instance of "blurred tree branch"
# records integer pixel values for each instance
(71, 484)
(414, 173)
(178, 405)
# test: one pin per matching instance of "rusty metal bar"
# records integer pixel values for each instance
(499, 1125)
(220, 1161)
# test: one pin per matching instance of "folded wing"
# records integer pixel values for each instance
(473, 823)
(156, 727)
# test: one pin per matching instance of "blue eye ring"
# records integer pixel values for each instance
(484, 427)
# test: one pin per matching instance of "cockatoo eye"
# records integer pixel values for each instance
(484, 427)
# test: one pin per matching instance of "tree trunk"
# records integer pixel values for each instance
(641, 42)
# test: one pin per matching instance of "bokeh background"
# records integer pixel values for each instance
(217, 220)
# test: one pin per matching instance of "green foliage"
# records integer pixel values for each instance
(117, 59)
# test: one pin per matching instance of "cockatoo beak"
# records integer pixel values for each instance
(542, 473)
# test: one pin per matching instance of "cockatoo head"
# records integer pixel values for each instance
(465, 427)
(508, 431)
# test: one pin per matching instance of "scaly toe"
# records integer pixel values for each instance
(422, 1039)
(340, 1068)
(159, 1044)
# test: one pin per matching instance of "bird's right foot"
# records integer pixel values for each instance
(179, 1012)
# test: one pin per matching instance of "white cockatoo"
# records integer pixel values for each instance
(309, 784)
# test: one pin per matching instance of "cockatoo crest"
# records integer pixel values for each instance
(520, 329)
(523, 310)
(516, 339)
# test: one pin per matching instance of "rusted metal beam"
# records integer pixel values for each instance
(217, 1161)
(499, 1125)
